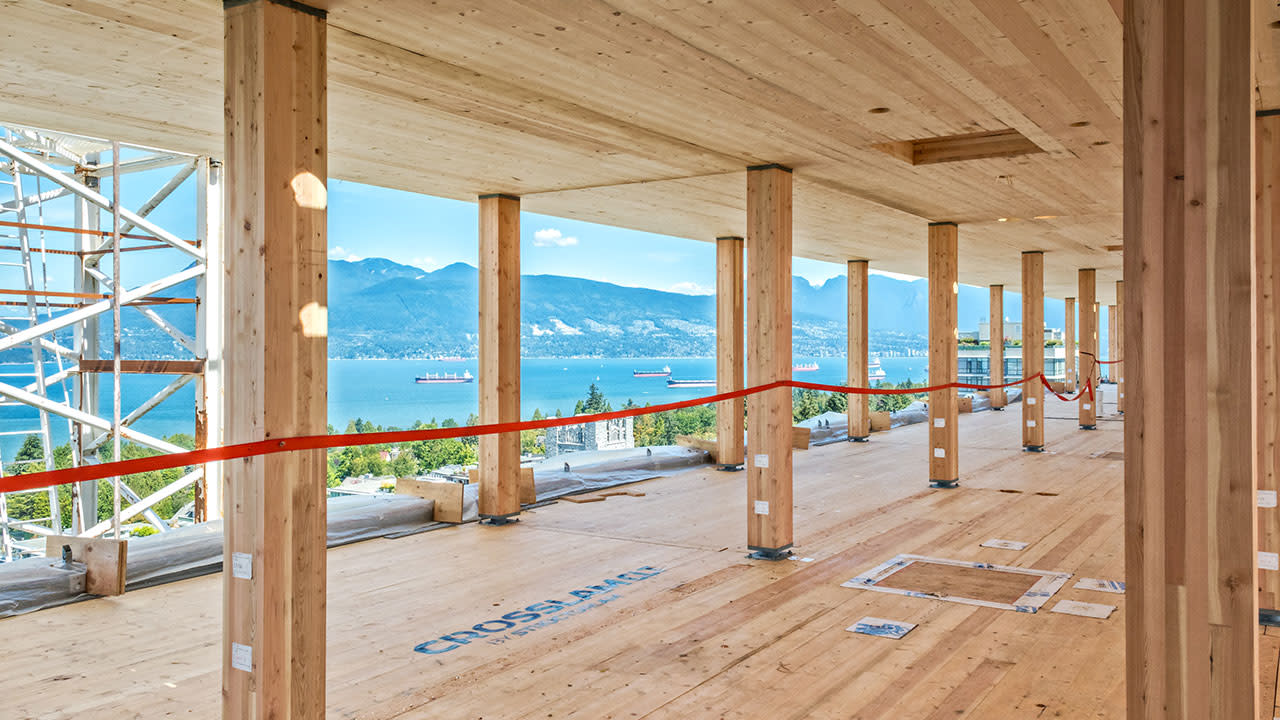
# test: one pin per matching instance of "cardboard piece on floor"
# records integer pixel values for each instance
(1005, 544)
(1083, 609)
(880, 627)
(104, 561)
(1111, 586)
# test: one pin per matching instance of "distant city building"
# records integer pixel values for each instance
(1012, 331)
(975, 363)
(604, 435)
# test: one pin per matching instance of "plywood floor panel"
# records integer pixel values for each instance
(714, 635)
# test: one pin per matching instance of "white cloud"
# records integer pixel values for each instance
(691, 288)
(551, 237)
(338, 252)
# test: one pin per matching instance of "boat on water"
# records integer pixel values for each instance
(690, 383)
(451, 358)
(874, 371)
(664, 372)
(804, 367)
(445, 378)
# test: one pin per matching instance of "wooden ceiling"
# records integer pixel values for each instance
(644, 114)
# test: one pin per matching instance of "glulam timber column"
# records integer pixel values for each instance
(1117, 368)
(1190, 531)
(1267, 279)
(1032, 351)
(499, 376)
(1090, 373)
(1112, 349)
(1069, 344)
(769, 522)
(944, 405)
(859, 373)
(996, 362)
(730, 422)
(275, 306)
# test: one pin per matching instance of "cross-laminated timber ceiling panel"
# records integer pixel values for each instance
(559, 101)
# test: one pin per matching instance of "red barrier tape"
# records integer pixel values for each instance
(31, 481)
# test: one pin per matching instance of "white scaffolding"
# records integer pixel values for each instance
(61, 329)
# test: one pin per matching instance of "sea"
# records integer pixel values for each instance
(384, 392)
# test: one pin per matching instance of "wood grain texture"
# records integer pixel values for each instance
(944, 446)
(1032, 348)
(1190, 528)
(769, 481)
(998, 396)
(275, 371)
(499, 357)
(1267, 360)
(715, 635)
(730, 414)
(1090, 370)
(859, 409)
(1070, 344)
(567, 117)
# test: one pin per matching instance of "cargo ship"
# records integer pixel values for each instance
(690, 383)
(664, 372)
(438, 378)
(805, 367)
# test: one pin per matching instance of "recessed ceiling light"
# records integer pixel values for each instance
(878, 110)
(1002, 219)
(1046, 217)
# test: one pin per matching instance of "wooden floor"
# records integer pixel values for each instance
(714, 635)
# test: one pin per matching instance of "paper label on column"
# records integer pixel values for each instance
(242, 566)
(1121, 379)
(762, 507)
(1121, 394)
(1031, 401)
(1266, 498)
(241, 657)
(939, 422)
(1087, 406)
(762, 461)
(1268, 561)
(939, 452)
(1031, 423)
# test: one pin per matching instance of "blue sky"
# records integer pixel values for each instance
(430, 232)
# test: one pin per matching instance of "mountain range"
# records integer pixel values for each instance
(382, 309)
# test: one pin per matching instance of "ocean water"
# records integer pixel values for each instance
(383, 391)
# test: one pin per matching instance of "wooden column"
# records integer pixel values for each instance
(730, 421)
(1190, 532)
(1117, 329)
(1267, 279)
(1090, 370)
(859, 406)
(769, 522)
(275, 308)
(996, 362)
(499, 378)
(1032, 351)
(1070, 347)
(944, 406)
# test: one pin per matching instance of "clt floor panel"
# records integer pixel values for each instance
(689, 627)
